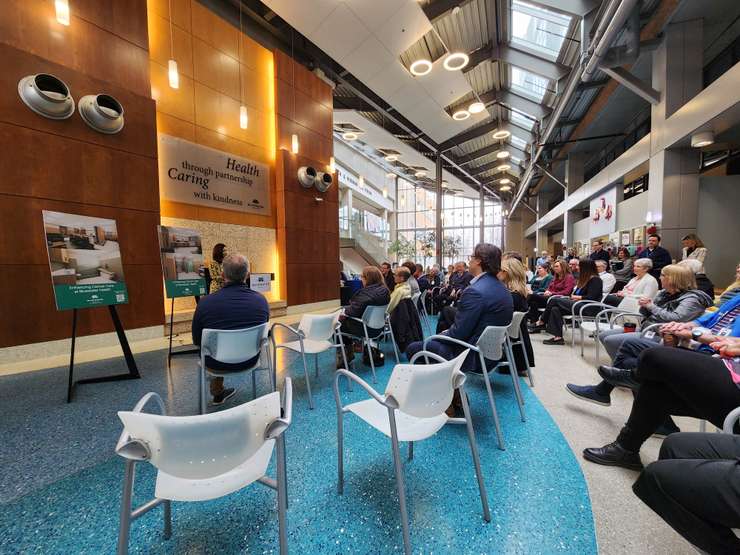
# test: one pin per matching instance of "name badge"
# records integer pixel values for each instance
(724, 332)
(649, 334)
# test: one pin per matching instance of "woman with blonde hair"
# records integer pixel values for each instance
(732, 290)
(513, 275)
(694, 248)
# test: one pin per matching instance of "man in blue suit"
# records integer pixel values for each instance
(485, 302)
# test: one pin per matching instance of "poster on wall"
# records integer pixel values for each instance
(196, 174)
(182, 258)
(603, 213)
(638, 236)
(626, 238)
(85, 260)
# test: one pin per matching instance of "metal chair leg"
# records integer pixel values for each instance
(515, 379)
(496, 422)
(203, 399)
(476, 458)
(395, 347)
(125, 517)
(370, 354)
(316, 365)
(526, 362)
(282, 496)
(399, 483)
(167, 519)
(308, 381)
(274, 367)
(411, 451)
(254, 384)
(340, 450)
(344, 358)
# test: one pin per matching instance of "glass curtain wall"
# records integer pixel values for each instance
(460, 225)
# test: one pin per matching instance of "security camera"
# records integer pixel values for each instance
(324, 181)
(307, 176)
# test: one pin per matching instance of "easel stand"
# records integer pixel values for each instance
(133, 371)
(170, 352)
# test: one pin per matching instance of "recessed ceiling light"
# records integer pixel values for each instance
(705, 138)
(455, 61)
(349, 136)
(502, 154)
(505, 188)
(461, 115)
(498, 135)
(391, 158)
(420, 173)
(476, 107)
(420, 67)
(503, 168)
(505, 181)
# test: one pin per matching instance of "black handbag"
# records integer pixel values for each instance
(378, 357)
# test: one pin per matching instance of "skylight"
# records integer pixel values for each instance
(521, 121)
(528, 84)
(537, 29)
(518, 142)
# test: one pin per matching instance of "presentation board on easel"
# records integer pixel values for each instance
(87, 272)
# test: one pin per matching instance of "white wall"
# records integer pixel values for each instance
(631, 212)
(582, 231)
(719, 226)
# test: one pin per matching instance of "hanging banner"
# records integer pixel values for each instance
(85, 260)
(603, 213)
(203, 176)
(182, 259)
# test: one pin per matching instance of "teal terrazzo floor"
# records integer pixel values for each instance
(58, 498)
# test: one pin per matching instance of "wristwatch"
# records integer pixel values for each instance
(697, 332)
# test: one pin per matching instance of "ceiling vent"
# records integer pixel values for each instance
(47, 95)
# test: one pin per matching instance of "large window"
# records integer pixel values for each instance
(539, 30)
(528, 84)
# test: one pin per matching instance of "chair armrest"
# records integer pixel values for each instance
(625, 313)
(730, 420)
(584, 303)
(355, 378)
(278, 426)
(450, 340)
(290, 329)
(588, 304)
(132, 448)
(428, 354)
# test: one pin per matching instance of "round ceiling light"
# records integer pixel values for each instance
(505, 181)
(391, 158)
(699, 140)
(498, 135)
(349, 136)
(502, 154)
(455, 61)
(461, 115)
(505, 188)
(476, 107)
(420, 173)
(420, 67)
(503, 168)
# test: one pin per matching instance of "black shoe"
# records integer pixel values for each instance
(666, 428)
(618, 377)
(226, 393)
(553, 341)
(588, 393)
(613, 454)
(534, 331)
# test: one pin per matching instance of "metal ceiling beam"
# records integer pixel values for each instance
(490, 149)
(530, 62)
(592, 85)
(469, 135)
(571, 7)
(437, 8)
(483, 54)
(488, 167)
(521, 104)
(637, 86)
(352, 103)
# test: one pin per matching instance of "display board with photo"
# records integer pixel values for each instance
(181, 252)
(85, 260)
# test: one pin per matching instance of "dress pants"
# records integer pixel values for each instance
(695, 488)
(535, 302)
(446, 318)
(554, 312)
(677, 382)
(624, 350)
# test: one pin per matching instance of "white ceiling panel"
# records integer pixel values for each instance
(304, 15)
(390, 79)
(374, 13)
(445, 87)
(410, 94)
(340, 33)
(368, 59)
(406, 27)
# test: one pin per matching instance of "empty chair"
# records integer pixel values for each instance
(375, 318)
(316, 334)
(422, 306)
(206, 456)
(412, 409)
(232, 347)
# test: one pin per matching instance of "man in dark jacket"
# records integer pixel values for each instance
(598, 253)
(385, 269)
(660, 256)
(234, 306)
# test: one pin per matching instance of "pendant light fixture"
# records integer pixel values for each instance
(294, 146)
(243, 116)
(62, 11)
(174, 77)
(332, 164)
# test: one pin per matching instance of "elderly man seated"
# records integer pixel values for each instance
(608, 279)
(234, 306)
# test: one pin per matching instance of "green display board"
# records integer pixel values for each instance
(182, 258)
(85, 260)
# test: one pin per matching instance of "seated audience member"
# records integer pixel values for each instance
(588, 288)
(677, 301)
(608, 280)
(660, 256)
(385, 269)
(679, 382)
(413, 284)
(232, 307)
(623, 274)
(694, 486)
(485, 302)
(598, 253)
(541, 279)
(732, 290)
(703, 283)
(574, 265)
(459, 280)
(512, 275)
(401, 289)
(450, 271)
(542, 258)
(373, 293)
(694, 249)
(561, 284)
(642, 285)
(435, 279)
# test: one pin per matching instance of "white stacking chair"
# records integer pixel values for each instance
(576, 317)
(421, 306)
(374, 317)
(493, 344)
(514, 334)
(232, 347)
(412, 409)
(316, 334)
(205, 456)
(604, 320)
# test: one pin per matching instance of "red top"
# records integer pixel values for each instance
(562, 286)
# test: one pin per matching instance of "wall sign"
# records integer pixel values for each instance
(182, 258)
(260, 282)
(85, 260)
(348, 179)
(603, 213)
(196, 174)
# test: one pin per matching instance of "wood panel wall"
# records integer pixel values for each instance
(308, 230)
(67, 167)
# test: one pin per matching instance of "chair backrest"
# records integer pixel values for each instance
(374, 316)
(425, 390)
(415, 298)
(204, 446)
(515, 328)
(233, 346)
(319, 327)
(491, 342)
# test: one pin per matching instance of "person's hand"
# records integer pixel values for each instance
(619, 293)
(576, 297)
(672, 327)
(547, 293)
(727, 347)
(645, 301)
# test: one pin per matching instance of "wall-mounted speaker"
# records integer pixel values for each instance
(324, 181)
(307, 176)
(102, 112)
(47, 95)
